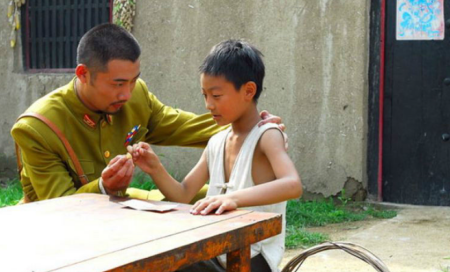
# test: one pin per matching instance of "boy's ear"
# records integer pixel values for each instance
(82, 72)
(250, 90)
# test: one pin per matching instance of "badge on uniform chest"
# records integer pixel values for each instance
(131, 134)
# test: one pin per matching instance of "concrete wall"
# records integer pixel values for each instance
(18, 90)
(316, 55)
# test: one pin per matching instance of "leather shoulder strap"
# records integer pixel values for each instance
(84, 180)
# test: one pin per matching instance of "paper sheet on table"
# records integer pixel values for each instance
(146, 206)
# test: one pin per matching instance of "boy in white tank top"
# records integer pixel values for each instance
(246, 164)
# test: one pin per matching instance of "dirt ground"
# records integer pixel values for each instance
(416, 240)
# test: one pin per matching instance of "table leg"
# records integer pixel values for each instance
(239, 260)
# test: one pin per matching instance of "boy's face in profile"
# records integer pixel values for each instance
(223, 100)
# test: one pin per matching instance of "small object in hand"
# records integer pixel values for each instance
(128, 156)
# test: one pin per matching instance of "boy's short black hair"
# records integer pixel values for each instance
(238, 61)
(104, 43)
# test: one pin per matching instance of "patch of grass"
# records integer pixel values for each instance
(318, 213)
(10, 193)
(301, 214)
(298, 236)
(142, 181)
(384, 214)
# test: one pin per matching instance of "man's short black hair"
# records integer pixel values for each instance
(238, 61)
(104, 43)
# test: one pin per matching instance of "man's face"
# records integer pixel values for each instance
(108, 91)
(225, 103)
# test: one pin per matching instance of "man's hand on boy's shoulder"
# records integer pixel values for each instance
(270, 118)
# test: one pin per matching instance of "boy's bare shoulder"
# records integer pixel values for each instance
(272, 140)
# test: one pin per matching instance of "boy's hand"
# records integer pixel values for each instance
(220, 204)
(144, 157)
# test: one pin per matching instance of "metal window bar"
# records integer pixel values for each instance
(53, 29)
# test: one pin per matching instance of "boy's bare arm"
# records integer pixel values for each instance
(287, 184)
(148, 161)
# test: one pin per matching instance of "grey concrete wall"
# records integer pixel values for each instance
(18, 90)
(316, 55)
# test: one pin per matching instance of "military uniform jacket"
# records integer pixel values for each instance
(96, 138)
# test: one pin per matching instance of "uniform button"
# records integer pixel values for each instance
(107, 154)
(103, 124)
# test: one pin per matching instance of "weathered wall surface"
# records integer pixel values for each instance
(18, 90)
(316, 55)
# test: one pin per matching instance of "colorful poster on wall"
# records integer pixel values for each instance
(420, 20)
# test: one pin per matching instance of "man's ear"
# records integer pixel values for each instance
(82, 73)
(250, 90)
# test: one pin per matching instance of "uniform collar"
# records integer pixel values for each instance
(89, 118)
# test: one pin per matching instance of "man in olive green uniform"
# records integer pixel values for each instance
(102, 110)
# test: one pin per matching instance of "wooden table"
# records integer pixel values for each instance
(91, 232)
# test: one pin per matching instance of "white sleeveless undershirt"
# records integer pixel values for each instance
(272, 249)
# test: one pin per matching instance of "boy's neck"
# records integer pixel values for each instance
(246, 122)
